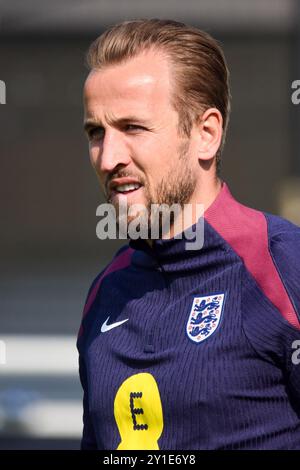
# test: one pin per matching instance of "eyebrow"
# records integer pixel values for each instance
(91, 122)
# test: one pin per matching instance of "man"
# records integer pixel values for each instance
(183, 349)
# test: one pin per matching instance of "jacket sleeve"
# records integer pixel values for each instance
(285, 250)
(88, 441)
(273, 337)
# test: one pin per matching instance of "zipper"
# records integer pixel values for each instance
(149, 343)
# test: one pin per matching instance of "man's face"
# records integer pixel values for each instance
(132, 128)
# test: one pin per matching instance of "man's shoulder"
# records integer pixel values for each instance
(271, 331)
(124, 252)
(284, 248)
(269, 247)
(284, 243)
(280, 229)
(120, 260)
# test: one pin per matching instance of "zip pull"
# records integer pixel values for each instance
(149, 345)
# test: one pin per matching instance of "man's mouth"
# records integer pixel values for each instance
(127, 188)
(123, 187)
(123, 191)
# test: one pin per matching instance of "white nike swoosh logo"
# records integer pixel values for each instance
(105, 327)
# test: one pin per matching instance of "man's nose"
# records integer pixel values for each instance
(114, 152)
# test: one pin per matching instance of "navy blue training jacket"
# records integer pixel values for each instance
(197, 349)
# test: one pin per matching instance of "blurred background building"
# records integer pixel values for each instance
(49, 194)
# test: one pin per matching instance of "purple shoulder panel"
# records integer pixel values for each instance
(246, 231)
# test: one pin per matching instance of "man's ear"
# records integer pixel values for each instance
(210, 133)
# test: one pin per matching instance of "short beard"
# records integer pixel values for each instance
(180, 183)
(177, 187)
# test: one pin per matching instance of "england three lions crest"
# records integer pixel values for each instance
(205, 316)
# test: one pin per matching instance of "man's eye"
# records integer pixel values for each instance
(134, 127)
(96, 133)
